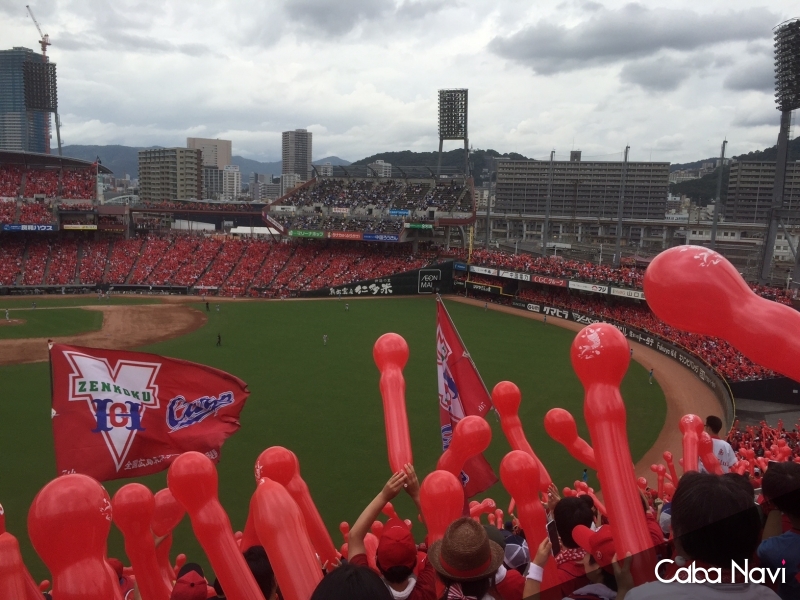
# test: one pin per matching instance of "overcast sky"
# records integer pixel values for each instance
(669, 77)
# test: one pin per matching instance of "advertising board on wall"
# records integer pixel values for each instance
(625, 293)
(429, 280)
(79, 227)
(381, 237)
(346, 235)
(399, 212)
(588, 287)
(483, 270)
(26, 227)
(306, 233)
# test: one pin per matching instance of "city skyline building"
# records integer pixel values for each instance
(216, 153)
(296, 149)
(750, 192)
(170, 174)
(21, 128)
(231, 183)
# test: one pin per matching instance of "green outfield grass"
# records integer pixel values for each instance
(60, 301)
(50, 323)
(324, 404)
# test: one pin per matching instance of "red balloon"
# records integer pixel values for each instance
(671, 466)
(389, 511)
(691, 427)
(706, 450)
(377, 529)
(519, 472)
(660, 471)
(442, 498)
(491, 518)
(391, 355)
(642, 483)
(506, 398)
(133, 507)
(698, 290)
(560, 425)
(344, 528)
(167, 515)
(498, 517)
(15, 580)
(68, 524)
(600, 355)
(249, 535)
(669, 490)
(471, 436)
(601, 508)
(281, 465)
(192, 479)
(283, 534)
(371, 550)
(488, 506)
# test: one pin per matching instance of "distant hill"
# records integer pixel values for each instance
(125, 159)
(479, 159)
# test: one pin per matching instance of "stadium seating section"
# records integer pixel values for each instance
(261, 268)
(79, 184)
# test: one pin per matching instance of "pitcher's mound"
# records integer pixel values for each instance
(12, 322)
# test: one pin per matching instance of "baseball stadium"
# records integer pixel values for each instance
(372, 387)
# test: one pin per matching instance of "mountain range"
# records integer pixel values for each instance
(124, 160)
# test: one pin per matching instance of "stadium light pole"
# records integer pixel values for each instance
(547, 205)
(618, 247)
(718, 200)
(787, 97)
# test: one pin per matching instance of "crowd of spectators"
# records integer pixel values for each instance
(94, 258)
(38, 251)
(200, 259)
(229, 254)
(186, 205)
(76, 207)
(12, 252)
(152, 251)
(35, 213)
(764, 441)
(63, 262)
(79, 184)
(444, 196)
(8, 211)
(10, 181)
(716, 352)
(175, 256)
(123, 256)
(344, 193)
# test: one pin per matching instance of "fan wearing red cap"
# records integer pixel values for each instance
(396, 556)
(190, 585)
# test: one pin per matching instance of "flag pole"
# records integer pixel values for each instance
(469, 356)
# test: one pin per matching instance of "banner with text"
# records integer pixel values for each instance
(26, 227)
(625, 293)
(588, 287)
(429, 280)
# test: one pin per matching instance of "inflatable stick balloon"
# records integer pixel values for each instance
(506, 398)
(601, 508)
(671, 466)
(133, 507)
(471, 436)
(498, 518)
(442, 498)
(371, 550)
(706, 451)
(344, 528)
(642, 483)
(691, 427)
(249, 535)
(560, 425)
(698, 290)
(389, 511)
(600, 357)
(15, 581)
(377, 529)
(519, 474)
(477, 509)
(491, 518)
(391, 355)
(168, 513)
(68, 524)
(192, 479)
(281, 465)
(660, 471)
(282, 532)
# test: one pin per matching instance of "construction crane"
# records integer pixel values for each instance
(45, 41)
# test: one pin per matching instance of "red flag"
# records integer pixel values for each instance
(123, 414)
(461, 393)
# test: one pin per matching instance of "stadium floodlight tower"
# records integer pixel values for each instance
(453, 122)
(787, 97)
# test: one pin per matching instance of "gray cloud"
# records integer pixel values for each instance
(335, 18)
(633, 31)
(660, 74)
(758, 75)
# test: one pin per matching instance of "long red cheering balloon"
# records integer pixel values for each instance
(282, 532)
(706, 449)
(442, 500)
(691, 427)
(600, 357)
(471, 436)
(192, 479)
(698, 290)
(133, 507)
(15, 581)
(560, 425)
(68, 524)
(167, 515)
(391, 355)
(506, 398)
(281, 465)
(519, 474)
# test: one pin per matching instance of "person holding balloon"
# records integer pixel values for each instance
(396, 556)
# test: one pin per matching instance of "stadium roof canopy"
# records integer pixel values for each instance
(34, 159)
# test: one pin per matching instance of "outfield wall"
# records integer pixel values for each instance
(433, 279)
(701, 369)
